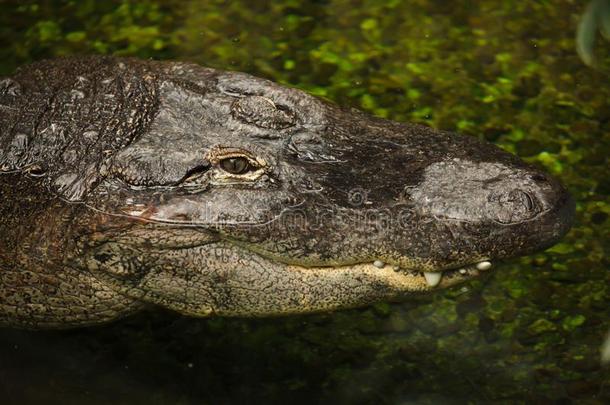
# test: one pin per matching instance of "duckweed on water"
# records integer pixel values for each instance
(504, 71)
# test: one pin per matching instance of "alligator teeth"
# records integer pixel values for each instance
(432, 278)
(379, 264)
(484, 265)
(463, 271)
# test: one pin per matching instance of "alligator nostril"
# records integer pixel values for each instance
(527, 201)
(512, 207)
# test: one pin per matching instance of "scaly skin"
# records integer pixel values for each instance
(127, 183)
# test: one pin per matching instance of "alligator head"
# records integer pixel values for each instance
(238, 196)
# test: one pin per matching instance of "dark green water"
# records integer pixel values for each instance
(504, 71)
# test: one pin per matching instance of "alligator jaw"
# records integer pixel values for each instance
(434, 278)
(410, 280)
(449, 277)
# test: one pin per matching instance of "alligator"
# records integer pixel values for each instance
(129, 184)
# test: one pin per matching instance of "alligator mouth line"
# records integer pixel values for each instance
(410, 277)
(412, 280)
(433, 279)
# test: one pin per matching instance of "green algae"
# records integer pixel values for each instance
(507, 72)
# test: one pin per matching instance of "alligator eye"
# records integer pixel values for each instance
(236, 165)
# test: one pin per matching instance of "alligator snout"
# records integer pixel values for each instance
(538, 206)
(493, 209)
(552, 210)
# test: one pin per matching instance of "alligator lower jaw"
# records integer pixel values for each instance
(408, 279)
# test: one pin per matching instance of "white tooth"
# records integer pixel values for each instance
(463, 271)
(432, 278)
(484, 265)
(379, 264)
(395, 268)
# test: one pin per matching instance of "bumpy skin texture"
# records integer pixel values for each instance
(126, 183)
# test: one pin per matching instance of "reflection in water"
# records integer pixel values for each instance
(606, 351)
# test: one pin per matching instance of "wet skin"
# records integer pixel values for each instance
(127, 183)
